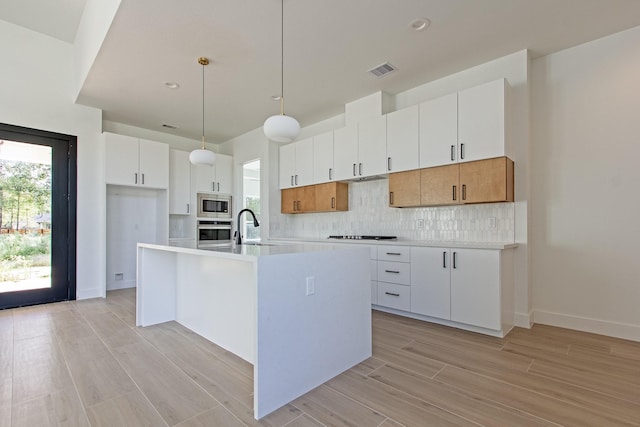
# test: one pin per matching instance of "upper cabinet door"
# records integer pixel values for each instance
(345, 152)
(439, 131)
(121, 159)
(154, 164)
(481, 121)
(323, 158)
(372, 145)
(179, 183)
(205, 178)
(304, 162)
(224, 174)
(402, 139)
(287, 165)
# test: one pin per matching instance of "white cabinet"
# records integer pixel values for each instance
(296, 164)
(179, 183)
(439, 131)
(345, 152)
(402, 140)
(323, 158)
(359, 150)
(217, 178)
(136, 162)
(475, 288)
(372, 144)
(481, 121)
(431, 282)
(465, 126)
(394, 277)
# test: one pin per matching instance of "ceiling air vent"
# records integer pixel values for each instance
(382, 70)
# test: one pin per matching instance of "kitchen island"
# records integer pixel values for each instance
(300, 313)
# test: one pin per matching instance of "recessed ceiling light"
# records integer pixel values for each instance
(172, 85)
(165, 125)
(275, 97)
(419, 24)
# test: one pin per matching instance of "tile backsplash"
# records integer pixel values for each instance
(369, 213)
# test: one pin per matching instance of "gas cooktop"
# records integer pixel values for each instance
(357, 237)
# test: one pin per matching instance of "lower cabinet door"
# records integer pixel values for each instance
(431, 282)
(475, 287)
(394, 296)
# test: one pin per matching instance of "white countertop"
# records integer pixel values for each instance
(399, 242)
(249, 252)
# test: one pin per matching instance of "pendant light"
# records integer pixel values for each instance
(202, 156)
(281, 128)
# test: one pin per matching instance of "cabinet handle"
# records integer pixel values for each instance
(462, 151)
(330, 170)
(188, 208)
(389, 163)
(218, 186)
(392, 294)
(392, 271)
(136, 181)
(142, 179)
(454, 259)
(296, 179)
(453, 153)
(292, 180)
(391, 197)
(359, 168)
(394, 253)
(354, 169)
(454, 192)
(298, 202)
(464, 191)
(333, 203)
(444, 259)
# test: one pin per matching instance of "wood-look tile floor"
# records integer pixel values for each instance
(85, 363)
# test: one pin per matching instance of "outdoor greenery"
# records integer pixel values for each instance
(25, 244)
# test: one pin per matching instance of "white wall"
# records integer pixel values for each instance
(36, 92)
(585, 175)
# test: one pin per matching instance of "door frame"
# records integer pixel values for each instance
(36, 136)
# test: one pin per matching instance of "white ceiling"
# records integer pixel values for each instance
(329, 46)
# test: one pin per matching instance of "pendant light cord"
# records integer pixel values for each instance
(282, 57)
(203, 106)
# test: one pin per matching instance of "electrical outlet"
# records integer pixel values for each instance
(420, 224)
(311, 285)
(492, 223)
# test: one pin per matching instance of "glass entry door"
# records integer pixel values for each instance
(37, 217)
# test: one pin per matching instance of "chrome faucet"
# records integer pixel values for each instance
(255, 224)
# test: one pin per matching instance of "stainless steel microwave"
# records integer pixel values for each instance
(214, 206)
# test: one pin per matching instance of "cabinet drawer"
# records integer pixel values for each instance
(394, 253)
(394, 296)
(394, 272)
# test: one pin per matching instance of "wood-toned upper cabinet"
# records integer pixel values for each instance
(402, 140)
(486, 181)
(404, 189)
(481, 121)
(439, 186)
(288, 200)
(298, 199)
(331, 197)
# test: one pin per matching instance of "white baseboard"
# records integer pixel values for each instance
(585, 324)
(523, 320)
(88, 293)
(121, 284)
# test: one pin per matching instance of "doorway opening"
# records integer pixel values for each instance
(251, 199)
(37, 216)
